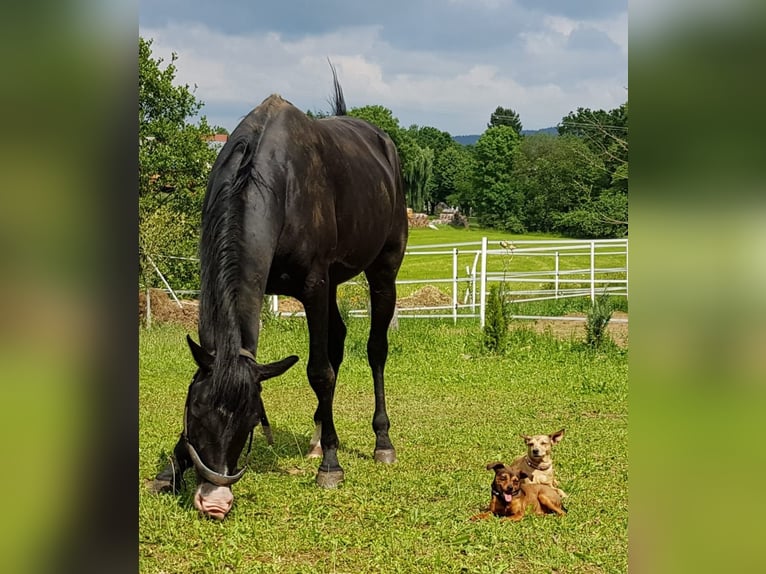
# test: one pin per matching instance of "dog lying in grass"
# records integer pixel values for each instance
(537, 463)
(512, 496)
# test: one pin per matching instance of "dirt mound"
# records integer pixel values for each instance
(165, 310)
(428, 296)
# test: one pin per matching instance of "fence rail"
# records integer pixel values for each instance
(560, 274)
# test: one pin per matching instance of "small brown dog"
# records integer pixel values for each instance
(511, 496)
(537, 464)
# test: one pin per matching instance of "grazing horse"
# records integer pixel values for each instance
(294, 206)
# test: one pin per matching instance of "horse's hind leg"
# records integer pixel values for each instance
(335, 344)
(382, 281)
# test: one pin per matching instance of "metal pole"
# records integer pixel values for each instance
(556, 281)
(454, 285)
(593, 272)
(172, 294)
(626, 269)
(483, 283)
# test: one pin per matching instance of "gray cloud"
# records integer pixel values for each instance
(444, 63)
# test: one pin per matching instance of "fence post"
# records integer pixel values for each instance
(593, 272)
(170, 290)
(556, 280)
(454, 285)
(483, 283)
(275, 305)
(626, 269)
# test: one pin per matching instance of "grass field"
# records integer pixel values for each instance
(453, 409)
(429, 267)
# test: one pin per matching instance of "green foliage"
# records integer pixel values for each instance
(453, 177)
(607, 216)
(495, 332)
(606, 135)
(416, 161)
(174, 160)
(497, 202)
(505, 117)
(596, 321)
(552, 175)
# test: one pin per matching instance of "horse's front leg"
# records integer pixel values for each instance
(170, 478)
(335, 343)
(321, 377)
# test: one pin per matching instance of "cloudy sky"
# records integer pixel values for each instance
(441, 63)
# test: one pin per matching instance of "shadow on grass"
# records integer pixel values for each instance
(279, 458)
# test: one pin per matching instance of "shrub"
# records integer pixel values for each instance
(598, 317)
(495, 331)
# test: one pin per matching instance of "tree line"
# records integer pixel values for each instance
(574, 183)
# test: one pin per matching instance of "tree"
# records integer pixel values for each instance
(174, 160)
(453, 171)
(554, 175)
(416, 162)
(497, 202)
(437, 141)
(505, 117)
(606, 134)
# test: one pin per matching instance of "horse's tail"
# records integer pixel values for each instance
(338, 103)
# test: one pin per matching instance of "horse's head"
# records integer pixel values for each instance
(216, 427)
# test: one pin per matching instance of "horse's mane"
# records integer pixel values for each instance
(220, 257)
(220, 245)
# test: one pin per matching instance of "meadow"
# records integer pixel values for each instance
(453, 409)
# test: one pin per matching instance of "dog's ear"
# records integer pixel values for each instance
(526, 438)
(523, 475)
(497, 465)
(557, 436)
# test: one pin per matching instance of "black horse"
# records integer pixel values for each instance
(294, 206)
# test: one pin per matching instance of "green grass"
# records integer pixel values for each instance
(453, 409)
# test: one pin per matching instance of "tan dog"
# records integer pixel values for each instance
(512, 496)
(537, 464)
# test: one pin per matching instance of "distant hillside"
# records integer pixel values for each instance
(554, 131)
(471, 139)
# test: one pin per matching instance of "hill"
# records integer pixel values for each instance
(471, 139)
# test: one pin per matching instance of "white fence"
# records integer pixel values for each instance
(554, 269)
(558, 273)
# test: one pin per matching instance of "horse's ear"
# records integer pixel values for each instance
(203, 359)
(271, 370)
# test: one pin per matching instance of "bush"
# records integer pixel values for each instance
(495, 332)
(598, 317)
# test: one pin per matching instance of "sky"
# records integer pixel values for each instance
(441, 63)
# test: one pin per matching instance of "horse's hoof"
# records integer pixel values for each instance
(315, 451)
(386, 456)
(331, 479)
(269, 436)
(159, 486)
